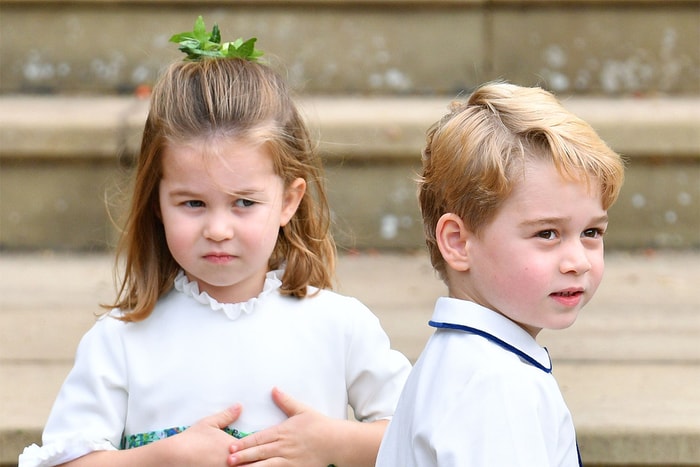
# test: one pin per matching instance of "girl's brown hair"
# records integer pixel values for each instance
(473, 155)
(223, 97)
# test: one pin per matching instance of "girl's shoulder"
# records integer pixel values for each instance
(329, 305)
(327, 297)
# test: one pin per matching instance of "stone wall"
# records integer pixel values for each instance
(582, 47)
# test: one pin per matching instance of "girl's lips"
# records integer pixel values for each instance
(218, 258)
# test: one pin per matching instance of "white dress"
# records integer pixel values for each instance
(193, 356)
(481, 394)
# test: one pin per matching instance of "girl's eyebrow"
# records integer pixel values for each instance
(246, 192)
(183, 192)
(186, 192)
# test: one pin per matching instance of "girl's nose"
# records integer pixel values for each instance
(219, 227)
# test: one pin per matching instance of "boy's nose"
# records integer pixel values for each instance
(575, 259)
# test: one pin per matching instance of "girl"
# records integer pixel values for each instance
(227, 261)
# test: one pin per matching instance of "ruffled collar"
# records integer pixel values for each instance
(273, 281)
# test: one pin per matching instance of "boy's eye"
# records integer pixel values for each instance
(593, 233)
(193, 203)
(244, 203)
(547, 234)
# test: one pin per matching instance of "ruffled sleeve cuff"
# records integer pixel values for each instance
(61, 451)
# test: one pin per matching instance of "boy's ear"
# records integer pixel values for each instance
(292, 197)
(453, 240)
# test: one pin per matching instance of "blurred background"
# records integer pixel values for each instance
(370, 76)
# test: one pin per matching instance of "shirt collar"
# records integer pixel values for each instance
(471, 317)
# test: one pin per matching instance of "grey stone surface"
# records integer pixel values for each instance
(367, 47)
(70, 154)
(598, 48)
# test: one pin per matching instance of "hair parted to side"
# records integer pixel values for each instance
(228, 97)
(475, 154)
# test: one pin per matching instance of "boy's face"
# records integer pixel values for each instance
(540, 260)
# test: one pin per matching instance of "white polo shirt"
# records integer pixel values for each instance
(481, 394)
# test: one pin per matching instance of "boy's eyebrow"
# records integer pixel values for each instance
(560, 220)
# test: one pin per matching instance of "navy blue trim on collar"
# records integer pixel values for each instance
(497, 341)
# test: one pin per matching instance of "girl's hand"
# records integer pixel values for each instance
(204, 444)
(309, 439)
(301, 440)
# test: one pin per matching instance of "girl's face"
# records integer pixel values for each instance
(222, 206)
(540, 260)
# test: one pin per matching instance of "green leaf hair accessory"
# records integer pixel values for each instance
(198, 44)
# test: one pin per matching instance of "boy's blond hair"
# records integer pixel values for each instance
(476, 153)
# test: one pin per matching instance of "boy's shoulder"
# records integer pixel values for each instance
(476, 341)
(465, 367)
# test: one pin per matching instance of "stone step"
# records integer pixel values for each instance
(61, 157)
(378, 47)
(629, 368)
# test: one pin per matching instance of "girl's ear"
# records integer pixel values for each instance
(292, 197)
(453, 241)
(156, 210)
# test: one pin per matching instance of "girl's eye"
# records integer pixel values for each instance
(593, 233)
(193, 203)
(547, 234)
(244, 203)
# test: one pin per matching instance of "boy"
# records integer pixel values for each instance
(514, 196)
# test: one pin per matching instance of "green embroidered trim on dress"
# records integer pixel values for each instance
(141, 439)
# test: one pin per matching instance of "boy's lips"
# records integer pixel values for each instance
(568, 292)
(568, 297)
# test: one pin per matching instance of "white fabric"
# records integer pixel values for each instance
(470, 402)
(194, 357)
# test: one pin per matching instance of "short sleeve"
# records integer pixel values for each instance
(376, 373)
(89, 412)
